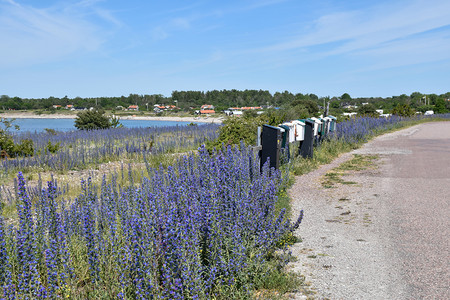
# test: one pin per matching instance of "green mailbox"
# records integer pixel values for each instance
(333, 123)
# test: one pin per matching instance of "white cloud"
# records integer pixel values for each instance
(30, 35)
(164, 31)
(357, 31)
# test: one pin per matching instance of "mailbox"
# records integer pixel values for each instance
(285, 131)
(306, 146)
(292, 130)
(328, 121)
(299, 130)
(317, 126)
(271, 139)
(333, 123)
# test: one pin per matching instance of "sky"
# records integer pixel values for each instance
(94, 48)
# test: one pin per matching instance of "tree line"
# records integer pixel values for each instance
(222, 99)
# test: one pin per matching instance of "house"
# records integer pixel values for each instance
(158, 108)
(56, 106)
(349, 114)
(133, 107)
(245, 108)
(207, 111)
(207, 107)
(69, 106)
(379, 111)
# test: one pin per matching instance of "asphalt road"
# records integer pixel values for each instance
(416, 177)
(387, 236)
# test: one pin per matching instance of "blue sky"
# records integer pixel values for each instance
(93, 48)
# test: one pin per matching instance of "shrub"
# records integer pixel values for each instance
(403, 110)
(7, 145)
(95, 119)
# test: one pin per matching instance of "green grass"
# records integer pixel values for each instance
(326, 153)
(357, 163)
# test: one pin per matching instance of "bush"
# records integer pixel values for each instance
(7, 145)
(95, 119)
(237, 129)
(403, 110)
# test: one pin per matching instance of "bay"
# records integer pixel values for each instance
(39, 125)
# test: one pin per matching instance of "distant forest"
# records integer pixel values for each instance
(223, 99)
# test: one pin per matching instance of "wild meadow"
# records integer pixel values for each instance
(74, 150)
(209, 226)
(202, 228)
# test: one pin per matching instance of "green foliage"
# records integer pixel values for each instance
(237, 129)
(304, 108)
(425, 108)
(50, 131)
(115, 122)
(439, 107)
(346, 97)
(403, 110)
(53, 148)
(95, 119)
(7, 145)
(368, 110)
(335, 104)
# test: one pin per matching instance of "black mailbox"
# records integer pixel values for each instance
(271, 146)
(306, 146)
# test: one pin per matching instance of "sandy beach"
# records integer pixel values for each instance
(29, 115)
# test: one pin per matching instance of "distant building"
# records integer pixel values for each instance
(245, 108)
(380, 111)
(207, 107)
(56, 106)
(69, 106)
(133, 107)
(207, 111)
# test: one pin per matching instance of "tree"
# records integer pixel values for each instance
(95, 119)
(346, 97)
(439, 107)
(368, 110)
(403, 110)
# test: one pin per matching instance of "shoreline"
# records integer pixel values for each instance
(26, 115)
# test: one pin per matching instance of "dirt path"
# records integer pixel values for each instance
(386, 236)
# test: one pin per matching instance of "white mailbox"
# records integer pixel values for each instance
(299, 130)
(328, 127)
(317, 123)
(291, 131)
